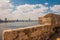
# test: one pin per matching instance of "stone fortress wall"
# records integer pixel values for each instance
(49, 29)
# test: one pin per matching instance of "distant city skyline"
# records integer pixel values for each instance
(25, 9)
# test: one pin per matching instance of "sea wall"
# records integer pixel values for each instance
(38, 32)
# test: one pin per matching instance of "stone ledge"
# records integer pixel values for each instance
(27, 33)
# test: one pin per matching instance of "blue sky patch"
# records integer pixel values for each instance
(22, 2)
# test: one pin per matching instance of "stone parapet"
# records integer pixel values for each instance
(39, 32)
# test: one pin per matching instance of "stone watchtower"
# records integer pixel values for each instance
(50, 19)
(54, 21)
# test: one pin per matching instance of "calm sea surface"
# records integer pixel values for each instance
(13, 25)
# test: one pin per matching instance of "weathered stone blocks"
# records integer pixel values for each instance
(32, 33)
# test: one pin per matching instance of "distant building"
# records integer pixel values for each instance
(17, 20)
(29, 19)
(5, 19)
(1, 20)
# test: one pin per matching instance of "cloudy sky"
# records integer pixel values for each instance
(25, 9)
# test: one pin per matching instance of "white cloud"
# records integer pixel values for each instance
(46, 3)
(55, 8)
(4, 4)
(28, 11)
(5, 8)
